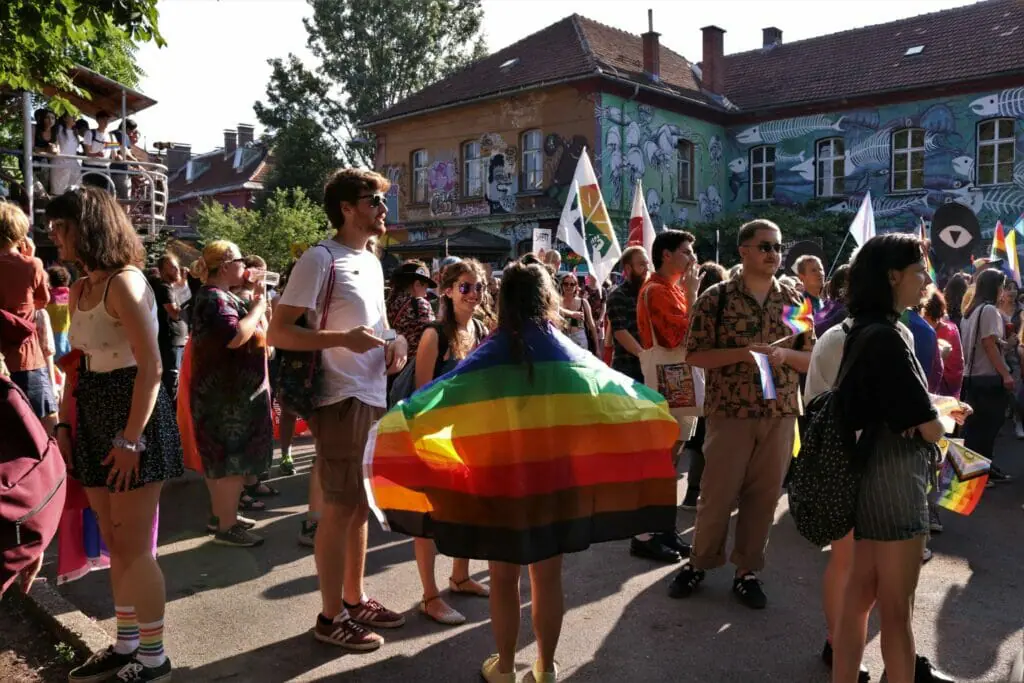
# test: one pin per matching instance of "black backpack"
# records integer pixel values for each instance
(404, 384)
(825, 475)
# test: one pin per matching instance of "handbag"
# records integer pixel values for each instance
(300, 378)
(979, 382)
(667, 372)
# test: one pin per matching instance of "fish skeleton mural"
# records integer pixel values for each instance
(882, 206)
(776, 131)
(1009, 102)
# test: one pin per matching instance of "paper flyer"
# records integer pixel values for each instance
(765, 369)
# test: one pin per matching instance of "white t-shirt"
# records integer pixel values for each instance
(358, 299)
(828, 354)
(95, 142)
(992, 325)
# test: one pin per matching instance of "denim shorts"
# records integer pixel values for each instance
(36, 385)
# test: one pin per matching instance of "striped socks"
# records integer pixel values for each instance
(151, 644)
(127, 630)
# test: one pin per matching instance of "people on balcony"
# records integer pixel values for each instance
(95, 145)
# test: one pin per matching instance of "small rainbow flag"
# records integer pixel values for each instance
(494, 464)
(1012, 264)
(112, 144)
(962, 479)
(998, 243)
(799, 319)
(927, 249)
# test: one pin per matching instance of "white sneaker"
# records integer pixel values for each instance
(926, 555)
(1018, 429)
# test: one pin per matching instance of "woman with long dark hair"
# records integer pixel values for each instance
(883, 391)
(954, 292)
(125, 443)
(442, 345)
(987, 378)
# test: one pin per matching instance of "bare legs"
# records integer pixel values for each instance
(426, 560)
(886, 572)
(547, 610)
(340, 553)
(224, 494)
(833, 583)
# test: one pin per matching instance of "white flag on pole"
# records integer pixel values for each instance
(641, 228)
(585, 225)
(863, 226)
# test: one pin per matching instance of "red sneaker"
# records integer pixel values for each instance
(375, 615)
(347, 634)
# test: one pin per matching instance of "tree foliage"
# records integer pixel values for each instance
(287, 218)
(372, 54)
(302, 159)
(803, 222)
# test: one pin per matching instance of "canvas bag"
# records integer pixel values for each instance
(667, 372)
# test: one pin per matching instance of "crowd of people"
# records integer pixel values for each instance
(139, 375)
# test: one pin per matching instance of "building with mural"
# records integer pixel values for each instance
(926, 113)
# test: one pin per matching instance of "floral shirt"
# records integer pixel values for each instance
(735, 390)
(409, 316)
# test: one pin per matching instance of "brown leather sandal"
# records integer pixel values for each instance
(468, 587)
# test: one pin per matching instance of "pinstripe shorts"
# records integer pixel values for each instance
(892, 503)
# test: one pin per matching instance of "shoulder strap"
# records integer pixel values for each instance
(975, 340)
(330, 288)
(650, 318)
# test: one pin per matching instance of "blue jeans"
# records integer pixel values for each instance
(171, 360)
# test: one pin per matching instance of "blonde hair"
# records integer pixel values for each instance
(14, 225)
(214, 255)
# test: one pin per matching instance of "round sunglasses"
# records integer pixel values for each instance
(466, 288)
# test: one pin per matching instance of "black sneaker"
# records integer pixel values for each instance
(996, 474)
(925, 672)
(134, 672)
(307, 535)
(685, 582)
(674, 541)
(213, 523)
(690, 500)
(864, 676)
(653, 549)
(748, 589)
(238, 536)
(100, 667)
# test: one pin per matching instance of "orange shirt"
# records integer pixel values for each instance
(662, 303)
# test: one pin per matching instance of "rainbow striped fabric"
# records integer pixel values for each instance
(494, 464)
(962, 478)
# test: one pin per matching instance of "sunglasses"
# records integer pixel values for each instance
(465, 288)
(375, 199)
(767, 247)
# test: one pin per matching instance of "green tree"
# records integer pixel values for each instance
(287, 218)
(302, 159)
(372, 54)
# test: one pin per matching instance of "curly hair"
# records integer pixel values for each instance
(446, 310)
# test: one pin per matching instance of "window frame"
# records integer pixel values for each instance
(764, 165)
(420, 177)
(537, 153)
(995, 143)
(909, 150)
(684, 155)
(478, 161)
(832, 159)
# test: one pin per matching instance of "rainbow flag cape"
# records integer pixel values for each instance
(929, 268)
(962, 478)
(495, 464)
(799, 319)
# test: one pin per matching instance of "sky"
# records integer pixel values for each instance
(214, 66)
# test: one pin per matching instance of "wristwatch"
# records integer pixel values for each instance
(130, 446)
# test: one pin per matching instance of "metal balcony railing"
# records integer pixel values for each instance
(141, 188)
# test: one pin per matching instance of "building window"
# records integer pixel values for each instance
(908, 160)
(762, 173)
(533, 161)
(831, 173)
(419, 177)
(684, 170)
(472, 170)
(995, 151)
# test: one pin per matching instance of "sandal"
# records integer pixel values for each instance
(262, 490)
(468, 587)
(489, 672)
(449, 617)
(246, 502)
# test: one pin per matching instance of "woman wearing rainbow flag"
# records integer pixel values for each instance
(530, 448)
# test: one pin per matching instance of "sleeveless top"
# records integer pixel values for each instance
(101, 336)
(574, 329)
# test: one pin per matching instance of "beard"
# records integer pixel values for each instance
(636, 280)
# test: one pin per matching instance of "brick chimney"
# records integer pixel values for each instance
(230, 141)
(177, 156)
(245, 134)
(771, 36)
(712, 66)
(652, 50)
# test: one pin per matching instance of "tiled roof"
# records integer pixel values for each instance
(215, 172)
(575, 47)
(960, 44)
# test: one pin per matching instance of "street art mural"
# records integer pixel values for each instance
(641, 142)
(501, 170)
(914, 158)
(394, 175)
(442, 184)
(560, 158)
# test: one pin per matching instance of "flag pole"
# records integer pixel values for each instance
(718, 241)
(835, 261)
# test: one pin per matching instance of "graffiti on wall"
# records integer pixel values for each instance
(394, 175)
(523, 111)
(641, 142)
(501, 174)
(442, 183)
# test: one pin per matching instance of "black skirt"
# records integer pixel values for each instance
(104, 401)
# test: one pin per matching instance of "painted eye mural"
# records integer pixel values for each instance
(954, 235)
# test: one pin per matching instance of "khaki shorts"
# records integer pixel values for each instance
(340, 431)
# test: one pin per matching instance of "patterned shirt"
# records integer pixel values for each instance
(735, 390)
(663, 305)
(621, 313)
(409, 316)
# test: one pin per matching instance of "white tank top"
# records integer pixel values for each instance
(101, 336)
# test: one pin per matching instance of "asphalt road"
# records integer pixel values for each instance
(245, 615)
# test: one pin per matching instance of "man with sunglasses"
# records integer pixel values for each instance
(355, 362)
(749, 438)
